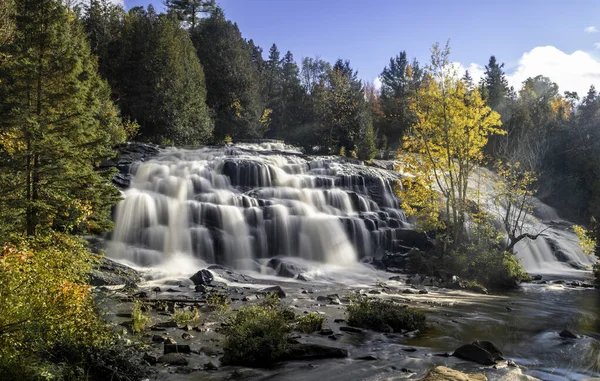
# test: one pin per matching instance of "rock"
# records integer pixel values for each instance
(423, 292)
(313, 352)
(177, 348)
(351, 329)
(367, 358)
(202, 277)
(409, 349)
(414, 280)
(186, 336)
(166, 324)
(326, 331)
(277, 290)
(158, 338)
(374, 292)
(339, 320)
(481, 352)
(284, 268)
(536, 277)
(396, 278)
(149, 359)
(209, 351)
(565, 333)
(442, 373)
(386, 328)
(408, 291)
(156, 289)
(170, 340)
(110, 273)
(210, 366)
(201, 288)
(173, 359)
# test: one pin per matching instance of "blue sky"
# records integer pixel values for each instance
(369, 32)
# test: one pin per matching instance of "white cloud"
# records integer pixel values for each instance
(571, 72)
(591, 29)
(475, 70)
(377, 83)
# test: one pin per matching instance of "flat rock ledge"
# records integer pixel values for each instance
(442, 373)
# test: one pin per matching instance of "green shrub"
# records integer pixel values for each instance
(373, 313)
(311, 322)
(140, 321)
(256, 335)
(182, 317)
(489, 266)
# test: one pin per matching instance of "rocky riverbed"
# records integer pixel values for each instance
(527, 326)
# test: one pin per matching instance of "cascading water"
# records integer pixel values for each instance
(237, 205)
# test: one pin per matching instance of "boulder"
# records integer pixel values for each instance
(442, 373)
(351, 329)
(565, 333)
(202, 278)
(277, 290)
(173, 359)
(176, 348)
(150, 359)
(481, 352)
(109, 273)
(285, 269)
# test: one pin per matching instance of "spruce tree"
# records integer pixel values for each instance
(232, 81)
(160, 81)
(57, 123)
(190, 11)
(496, 85)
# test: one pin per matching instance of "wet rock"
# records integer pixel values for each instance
(277, 290)
(150, 359)
(565, 333)
(209, 351)
(396, 278)
(374, 292)
(156, 289)
(176, 348)
(423, 292)
(339, 321)
(284, 268)
(110, 273)
(536, 277)
(202, 277)
(409, 349)
(442, 373)
(386, 328)
(351, 329)
(409, 291)
(313, 352)
(481, 352)
(166, 324)
(158, 338)
(170, 340)
(186, 336)
(367, 358)
(210, 366)
(326, 331)
(173, 359)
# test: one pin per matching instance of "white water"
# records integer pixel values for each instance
(239, 206)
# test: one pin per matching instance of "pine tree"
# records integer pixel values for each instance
(190, 11)
(160, 81)
(57, 123)
(398, 81)
(496, 85)
(292, 95)
(232, 81)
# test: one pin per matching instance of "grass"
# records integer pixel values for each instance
(375, 314)
(140, 321)
(311, 322)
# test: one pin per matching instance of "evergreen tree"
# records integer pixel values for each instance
(496, 85)
(398, 80)
(190, 11)
(292, 95)
(57, 123)
(160, 81)
(232, 81)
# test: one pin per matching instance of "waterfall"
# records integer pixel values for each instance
(237, 205)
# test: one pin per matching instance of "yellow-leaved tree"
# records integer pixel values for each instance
(452, 125)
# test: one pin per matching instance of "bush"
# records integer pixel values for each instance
(377, 313)
(183, 317)
(140, 321)
(256, 335)
(45, 301)
(491, 267)
(311, 322)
